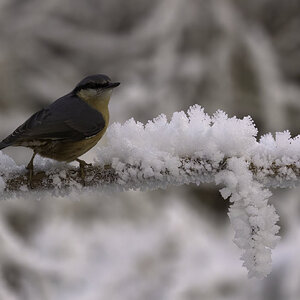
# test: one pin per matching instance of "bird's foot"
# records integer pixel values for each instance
(82, 165)
(29, 167)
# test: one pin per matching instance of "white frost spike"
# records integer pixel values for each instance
(252, 218)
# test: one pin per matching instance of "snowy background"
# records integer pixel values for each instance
(239, 56)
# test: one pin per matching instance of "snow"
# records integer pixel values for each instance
(194, 147)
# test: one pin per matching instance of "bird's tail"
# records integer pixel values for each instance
(4, 145)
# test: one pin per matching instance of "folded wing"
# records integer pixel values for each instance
(67, 119)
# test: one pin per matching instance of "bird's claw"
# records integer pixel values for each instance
(82, 165)
(29, 167)
(30, 175)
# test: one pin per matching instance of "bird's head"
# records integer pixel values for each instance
(95, 87)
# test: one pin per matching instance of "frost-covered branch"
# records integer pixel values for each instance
(191, 148)
(192, 170)
(252, 218)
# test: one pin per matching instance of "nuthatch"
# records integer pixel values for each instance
(70, 126)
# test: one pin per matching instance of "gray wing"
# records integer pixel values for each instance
(67, 119)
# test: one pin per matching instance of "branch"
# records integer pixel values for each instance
(191, 170)
(191, 148)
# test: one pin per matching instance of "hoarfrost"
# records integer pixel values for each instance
(194, 147)
(252, 218)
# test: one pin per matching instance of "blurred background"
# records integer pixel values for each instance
(239, 56)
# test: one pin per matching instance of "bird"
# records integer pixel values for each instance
(70, 126)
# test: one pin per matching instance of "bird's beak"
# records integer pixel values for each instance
(112, 85)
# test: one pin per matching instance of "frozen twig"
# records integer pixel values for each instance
(191, 148)
(193, 170)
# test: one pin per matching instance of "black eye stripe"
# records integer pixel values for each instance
(91, 85)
